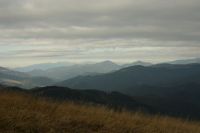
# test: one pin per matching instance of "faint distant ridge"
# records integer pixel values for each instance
(137, 63)
(63, 71)
(48, 66)
(21, 79)
(42, 66)
(186, 61)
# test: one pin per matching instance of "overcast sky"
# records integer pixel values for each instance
(36, 31)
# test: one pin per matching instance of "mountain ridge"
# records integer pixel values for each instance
(136, 75)
(15, 78)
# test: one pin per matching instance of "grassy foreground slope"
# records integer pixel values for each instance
(25, 114)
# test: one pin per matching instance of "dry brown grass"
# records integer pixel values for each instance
(25, 114)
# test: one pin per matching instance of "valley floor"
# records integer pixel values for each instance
(20, 113)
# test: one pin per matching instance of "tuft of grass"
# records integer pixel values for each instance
(21, 113)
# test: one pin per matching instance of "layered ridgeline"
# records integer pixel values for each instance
(186, 61)
(140, 80)
(66, 70)
(63, 71)
(117, 101)
(114, 100)
(14, 78)
(59, 71)
(165, 88)
(169, 88)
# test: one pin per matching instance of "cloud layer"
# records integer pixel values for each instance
(120, 30)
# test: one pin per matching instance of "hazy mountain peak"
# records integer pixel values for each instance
(107, 62)
(136, 63)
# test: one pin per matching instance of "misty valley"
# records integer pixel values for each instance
(169, 88)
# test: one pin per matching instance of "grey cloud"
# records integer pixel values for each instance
(107, 29)
(154, 19)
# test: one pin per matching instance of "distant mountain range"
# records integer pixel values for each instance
(139, 80)
(138, 74)
(43, 66)
(170, 88)
(49, 73)
(186, 61)
(65, 70)
(137, 63)
(70, 71)
(14, 78)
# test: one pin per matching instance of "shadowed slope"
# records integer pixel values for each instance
(22, 113)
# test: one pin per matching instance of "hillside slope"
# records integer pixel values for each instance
(183, 104)
(174, 89)
(131, 79)
(114, 100)
(14, 78)
(22, 113)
